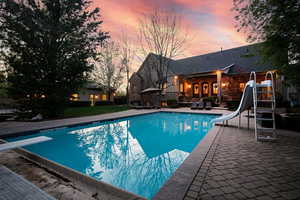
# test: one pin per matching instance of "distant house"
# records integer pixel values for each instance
(221, 74)
(91, 92)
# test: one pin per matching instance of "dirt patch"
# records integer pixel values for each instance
(54, 185)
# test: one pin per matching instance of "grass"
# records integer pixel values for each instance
(96, 110)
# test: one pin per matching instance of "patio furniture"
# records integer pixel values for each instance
(194, 105)
(208, 105)
(201, 105)
(197, 105)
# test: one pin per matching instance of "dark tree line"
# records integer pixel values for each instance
(46, 44)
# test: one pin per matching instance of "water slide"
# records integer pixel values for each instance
(246, 103)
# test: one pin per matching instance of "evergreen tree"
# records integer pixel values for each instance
(47, 45)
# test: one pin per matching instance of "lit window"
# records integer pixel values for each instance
(181, 87)
(242, 86)
(215, 88)
(104, 97)
(196, 88)
(164, 85)
(74, 97)
(205, 88)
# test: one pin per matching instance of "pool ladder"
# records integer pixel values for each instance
(264, 103)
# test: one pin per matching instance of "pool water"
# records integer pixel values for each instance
(137, 154)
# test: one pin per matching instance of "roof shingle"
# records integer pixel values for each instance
(243, 60)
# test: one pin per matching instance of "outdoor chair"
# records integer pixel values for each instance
(200, 105)
(208, 105)
(194, 105)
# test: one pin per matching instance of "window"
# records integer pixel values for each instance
(91, 96)
(205, 89)
(74, 97)
(164, 85)
(196, 90)
(215, 88)
(181, 87)
(104, 97)
(242, 86)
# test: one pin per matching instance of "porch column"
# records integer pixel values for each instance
(219, 78)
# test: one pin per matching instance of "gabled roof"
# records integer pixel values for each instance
(237, 60)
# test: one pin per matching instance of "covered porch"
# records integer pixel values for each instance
(198, 86)
(217, 85)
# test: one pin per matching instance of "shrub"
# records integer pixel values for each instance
(232, 105)
(120, 100)
(212, 99)
(79, 103)
(172, 103)
(103, 103)
(88, 103)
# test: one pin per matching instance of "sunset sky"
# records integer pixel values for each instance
(210, 22)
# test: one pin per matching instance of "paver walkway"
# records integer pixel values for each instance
(237, 167)
(14, 187)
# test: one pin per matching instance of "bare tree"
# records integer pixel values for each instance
(127, 56)
(162, 33)
(108, 68)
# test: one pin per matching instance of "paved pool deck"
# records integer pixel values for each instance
(236, 166)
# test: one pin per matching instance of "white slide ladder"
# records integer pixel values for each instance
(256, 95)
(264, 104)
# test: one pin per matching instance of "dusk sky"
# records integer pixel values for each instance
(210, 22)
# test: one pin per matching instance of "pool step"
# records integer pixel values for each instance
(265, 100)
(268, 130)
(264, 119)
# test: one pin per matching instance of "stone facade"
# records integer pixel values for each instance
(187, 82)
(183, 88)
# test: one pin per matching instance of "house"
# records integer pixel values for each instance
(92, 93)
(221, 75)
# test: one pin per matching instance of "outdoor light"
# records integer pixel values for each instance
(223, 84)
(175, 77)
(189, 86)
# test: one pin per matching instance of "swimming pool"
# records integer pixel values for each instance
(137, 154)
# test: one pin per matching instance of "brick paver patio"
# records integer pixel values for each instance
(237, 167)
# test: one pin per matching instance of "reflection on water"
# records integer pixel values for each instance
(137, 154)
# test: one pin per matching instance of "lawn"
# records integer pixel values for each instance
(96, 110)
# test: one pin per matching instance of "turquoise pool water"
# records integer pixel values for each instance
(138, 154)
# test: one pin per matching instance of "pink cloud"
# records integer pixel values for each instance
(209, 34)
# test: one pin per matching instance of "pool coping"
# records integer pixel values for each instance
(182, 178)
(70, 125)
(179, 181)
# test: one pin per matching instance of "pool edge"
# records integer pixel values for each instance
(166, 192)
(176, 187)
(83, 180)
